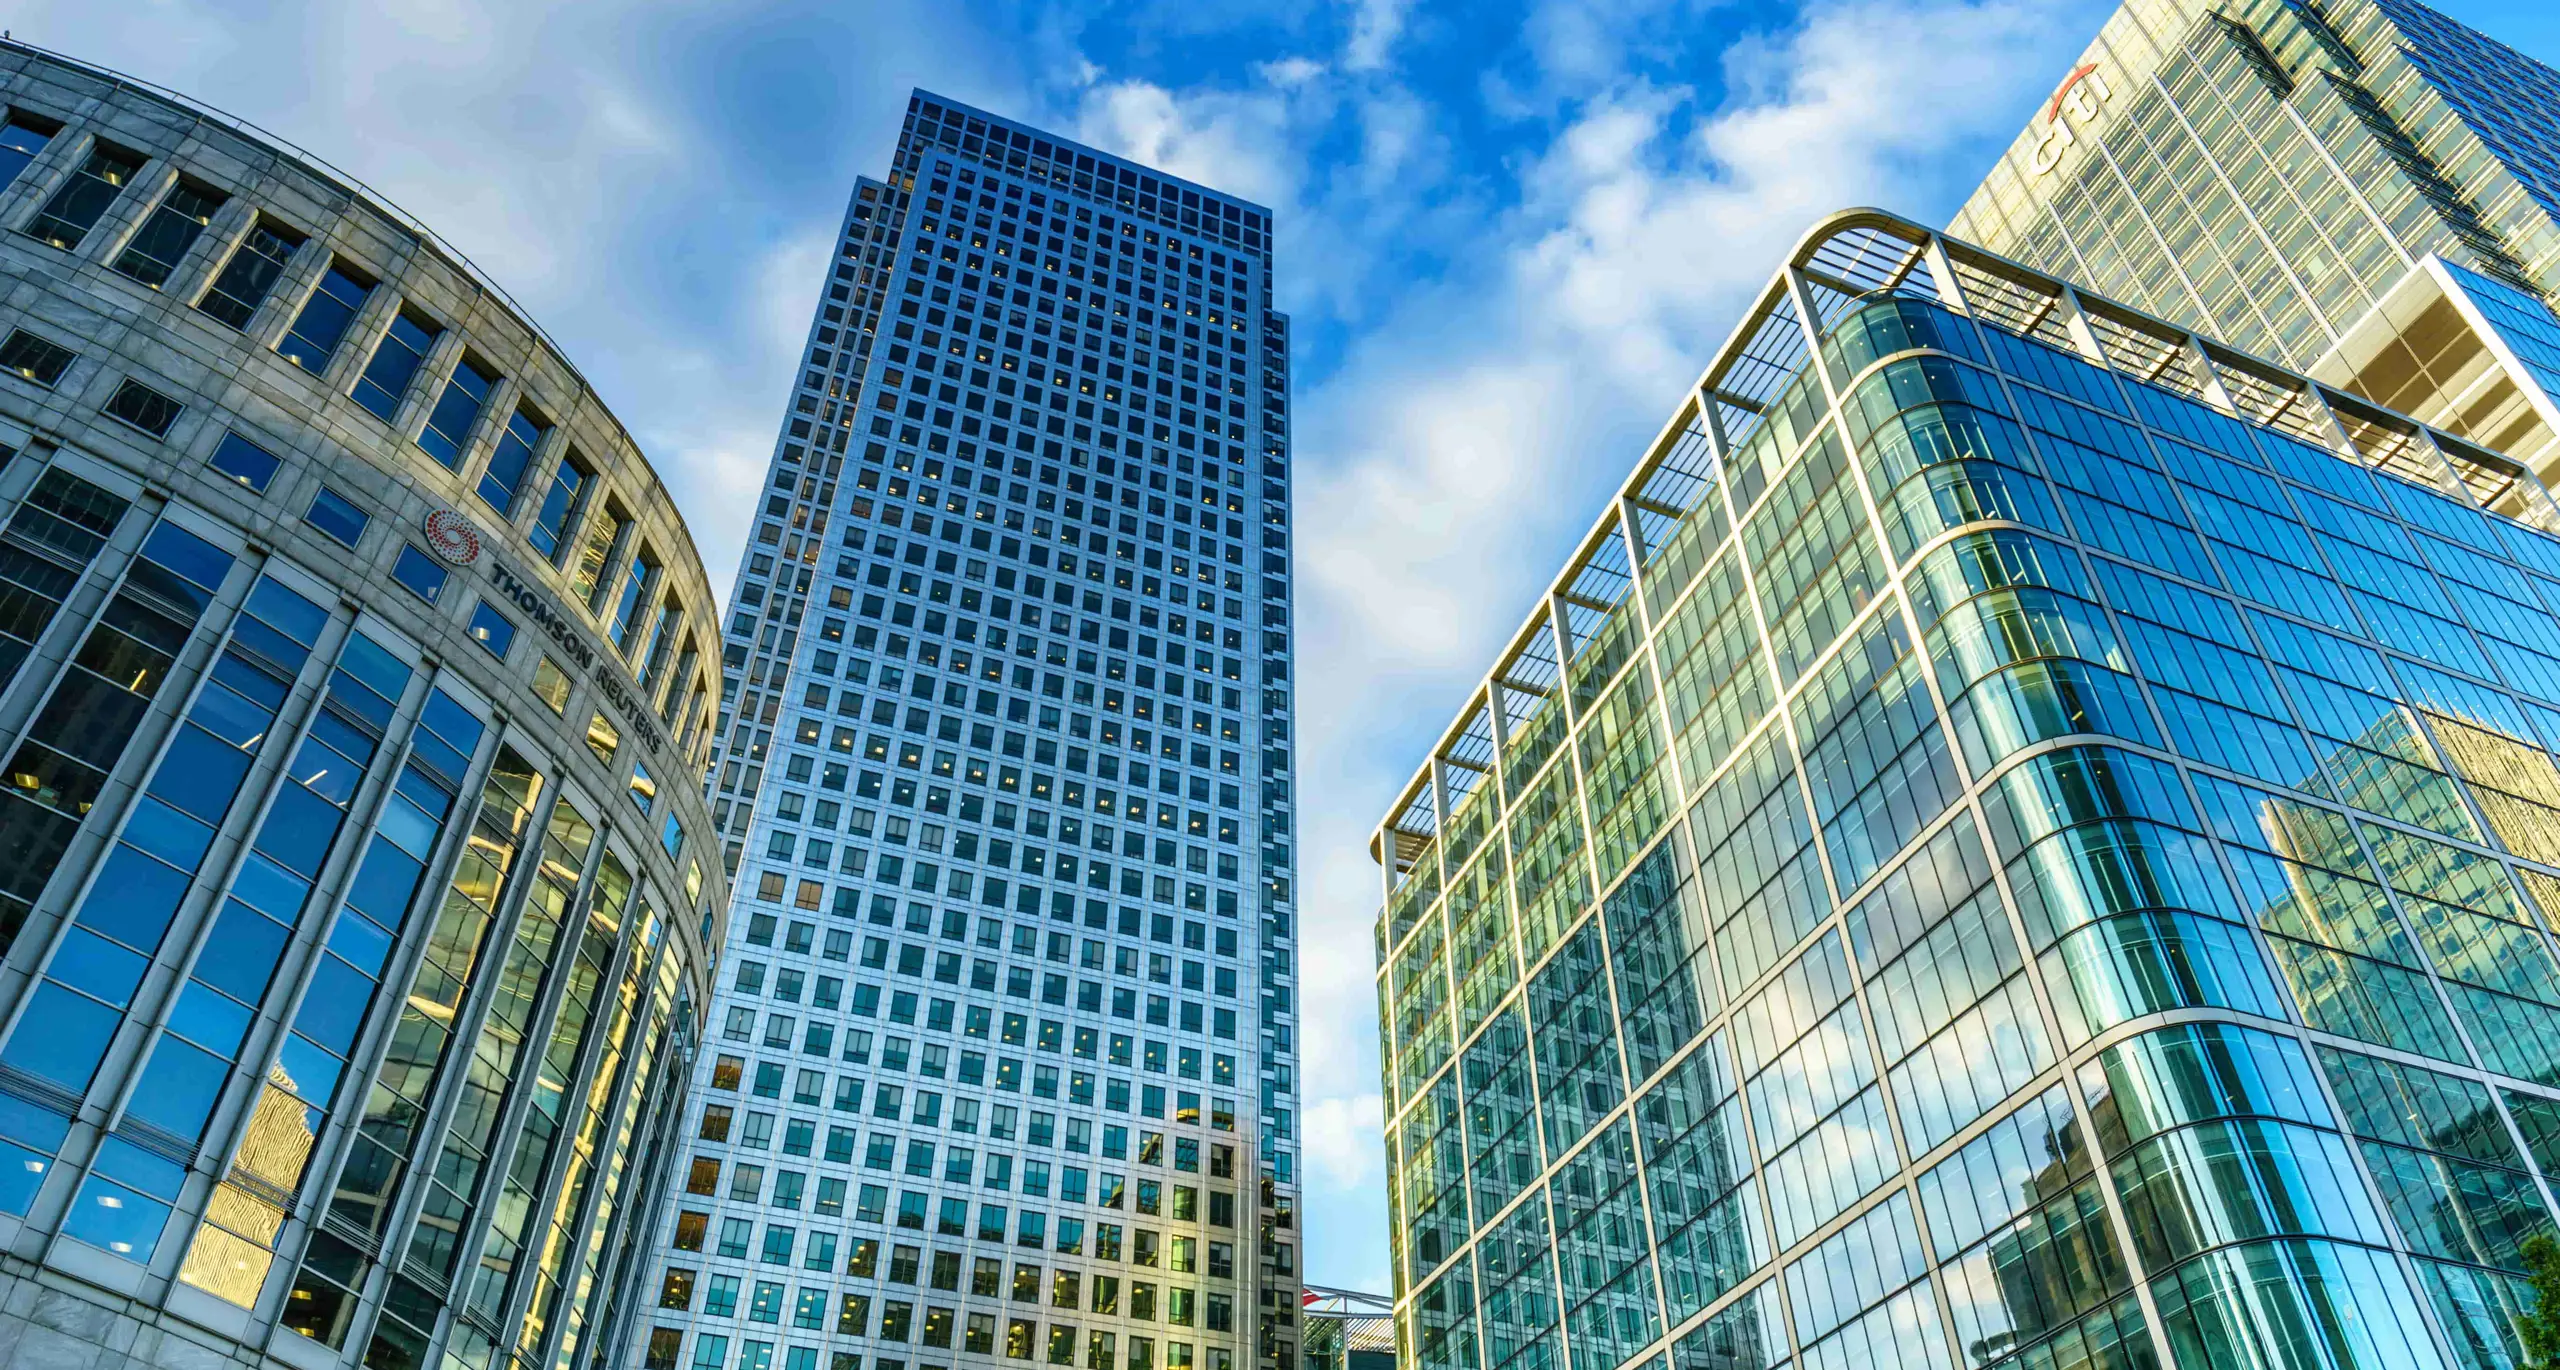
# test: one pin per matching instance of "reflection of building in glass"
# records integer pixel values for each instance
(351, 662)
(2362, 189)
(2024, 836)
(1007, 1025)
(1344, 1330)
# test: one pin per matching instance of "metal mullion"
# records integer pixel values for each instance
(623, 962)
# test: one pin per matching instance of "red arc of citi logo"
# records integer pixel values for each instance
(452, 538)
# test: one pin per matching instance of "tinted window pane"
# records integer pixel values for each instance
(419, 574)
(337, 516)
(244, 461)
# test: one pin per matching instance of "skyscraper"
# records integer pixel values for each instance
(2362, 189)
(1002, 1054)
(2024, 836)
(355, 897)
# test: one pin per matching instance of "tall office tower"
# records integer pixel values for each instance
(1002, 1062)
(2023, 837)
(2362, 189)
(354, 666)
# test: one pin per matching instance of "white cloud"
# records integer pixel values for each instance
(1471, 432)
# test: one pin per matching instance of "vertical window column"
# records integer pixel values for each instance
(77, 738)
(322, 1303)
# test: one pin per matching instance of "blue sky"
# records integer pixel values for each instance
(1509, 232)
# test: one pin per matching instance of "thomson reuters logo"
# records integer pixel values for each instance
(452, 538)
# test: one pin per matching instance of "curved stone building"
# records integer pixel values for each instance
(355, 671)
(2024, 837)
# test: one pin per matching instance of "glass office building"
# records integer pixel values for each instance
(2360, 189)
(354, 671)
(2024, 836)
(1001, 1064)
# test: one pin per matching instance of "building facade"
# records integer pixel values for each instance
(1003, 1051)
(2361, 189)
(354, 673)
(1343, 1329)
(2023, 837)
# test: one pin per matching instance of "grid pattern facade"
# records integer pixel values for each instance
(2024, 838)
(353, 951)
(1002, 1062)
(2265, 171)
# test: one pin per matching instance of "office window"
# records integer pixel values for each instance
(252, 271)
(395, 363)
(637, 580)
(244, 461)
(34, 359)
(449, 423)
(153, 255)
(603, 738)
(322, 325)
(603, 546)
(551, 685)
(143, 407)
(21, 139)
(81, 201)
(418, 573)
(494, 631)
(561, 506)
(337, 516)
(507, 462)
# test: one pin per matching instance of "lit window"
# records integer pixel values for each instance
(143, 407)
(81, 201)
(551, 685)
(32, 358)
(153, 255)
(252, 271)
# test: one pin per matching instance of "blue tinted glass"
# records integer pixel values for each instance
(201, 773)
(241, 955)
(371, 663)
(309, 1071)
(133, 898)
(270, 887)
(333, 1007)
(210, 1019)
(118, 1219)
(385, 882)
(337, 516)
(298, 829)
(178, 1088)
(364, 946)
(244, 461)
(61, 1037)
(287, 612)
(95, 966)
(451, 721)
(492, 630)
(418, 574)
(188, 555)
